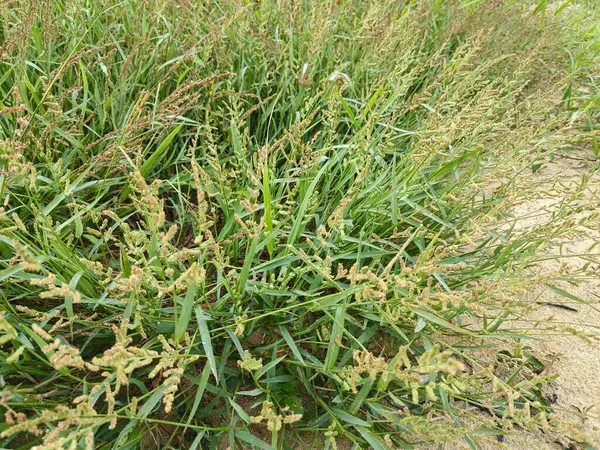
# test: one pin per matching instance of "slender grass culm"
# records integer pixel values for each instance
(280, 224)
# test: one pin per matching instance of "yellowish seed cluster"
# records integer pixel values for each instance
(275, 421)
(249, 363)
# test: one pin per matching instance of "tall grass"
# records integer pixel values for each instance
(271, 224)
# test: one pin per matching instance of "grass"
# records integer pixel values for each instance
(275, 224)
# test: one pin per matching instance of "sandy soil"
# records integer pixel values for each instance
(572, 351)
(576, 391)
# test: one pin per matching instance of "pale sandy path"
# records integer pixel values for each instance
(576, 391)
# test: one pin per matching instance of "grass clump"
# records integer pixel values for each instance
(269, 224)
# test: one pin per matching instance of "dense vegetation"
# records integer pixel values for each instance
(275, 224)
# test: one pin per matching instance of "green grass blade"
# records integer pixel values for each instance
(183, 319)
(202, 319)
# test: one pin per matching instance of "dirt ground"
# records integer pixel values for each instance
(576, 391)
(572, 351)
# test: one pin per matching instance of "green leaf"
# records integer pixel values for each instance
(197, 440)
(78, 226)
(199, 392)
(328, 301)
(143, 413)
(206, 341)
(252, 440)
(125, 264)
(291, 344)
(259, 373)
(240, 411)
(370, 105)
(439, 321)
(267, 207)
(361, 396)
(245, 272)
(349, 418)
(299, 217)
(10, 271)
(183, 320)
(375, 443)
(566, 294)
(337, 331)
(448, 167)
(153, 159)
(69, 299)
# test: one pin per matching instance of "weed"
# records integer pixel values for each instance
(247, 222)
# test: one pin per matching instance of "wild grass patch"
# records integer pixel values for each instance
(248, 224)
